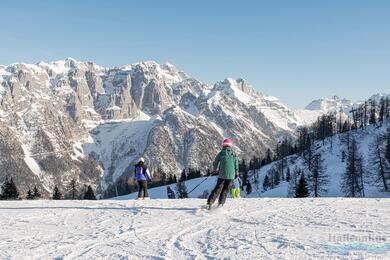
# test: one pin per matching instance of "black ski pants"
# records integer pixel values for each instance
(221, 190)
(143, 188)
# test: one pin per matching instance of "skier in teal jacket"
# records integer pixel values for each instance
(226, 163)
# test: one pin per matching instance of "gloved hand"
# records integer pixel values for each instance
(215, 172)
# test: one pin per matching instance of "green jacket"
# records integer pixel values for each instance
(227, 164)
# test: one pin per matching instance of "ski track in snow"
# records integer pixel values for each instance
(179, 229)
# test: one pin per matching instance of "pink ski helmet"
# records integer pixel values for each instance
(227, 142)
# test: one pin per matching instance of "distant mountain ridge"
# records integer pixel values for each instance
(70, 119)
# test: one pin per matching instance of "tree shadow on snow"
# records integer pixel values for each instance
(169, 209)
(135, 209)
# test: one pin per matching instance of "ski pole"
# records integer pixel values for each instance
(198, 184)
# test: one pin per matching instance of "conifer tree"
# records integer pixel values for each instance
(192, 174)
(198, 174)
(379, 164)
(245, 177)
(273, 173)
(268, 157)
(288, 175)
(295, 176)
(181, 189)
(387, 149)
(280, 166)
(308, 157)
(30, 195)
(382, 111)
(73, 189)
(352, 180)
(56, 193)
(387, 107)
(266, 183)
(317, 176)
(89, 195)
(36, 193)
(373, 113)
(9, 190)
(346, 126)
(301, 190)
(362, 115)
(248, 188)
(183, 176)
(343, 155)
(242, 166)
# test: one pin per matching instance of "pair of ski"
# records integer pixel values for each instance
(211, 207)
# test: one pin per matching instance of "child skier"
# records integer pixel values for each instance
(226, 163)
(236, 187)
(142, 176)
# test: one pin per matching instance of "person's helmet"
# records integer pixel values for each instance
(227, 142)
(141, 159)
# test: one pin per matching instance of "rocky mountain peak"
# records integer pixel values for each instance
(76, 119)
(330, 104)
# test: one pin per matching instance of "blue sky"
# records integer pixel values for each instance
(295, 50)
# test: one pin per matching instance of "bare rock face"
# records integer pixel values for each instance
(69, 120)
(12, 159)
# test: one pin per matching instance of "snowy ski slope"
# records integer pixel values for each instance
(327, 228)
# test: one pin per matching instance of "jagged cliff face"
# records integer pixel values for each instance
(70, 119)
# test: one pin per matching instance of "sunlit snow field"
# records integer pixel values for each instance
(261, 228)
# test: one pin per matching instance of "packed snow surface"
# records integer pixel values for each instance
(178, 229)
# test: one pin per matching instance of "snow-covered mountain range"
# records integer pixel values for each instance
(69, 119)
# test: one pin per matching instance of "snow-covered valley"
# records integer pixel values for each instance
(327, 228)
